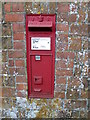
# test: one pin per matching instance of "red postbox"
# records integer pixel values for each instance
(40, 38)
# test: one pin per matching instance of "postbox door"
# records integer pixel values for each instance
(41, 70)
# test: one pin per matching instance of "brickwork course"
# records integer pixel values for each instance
(71, 89)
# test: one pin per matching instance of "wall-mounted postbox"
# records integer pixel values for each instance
(40, 38)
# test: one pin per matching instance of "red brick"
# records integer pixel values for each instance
(20, 71)
(84, 94)
(21, 86)
(65, 55)
(81, 29)
(60, 95)
(72, 18)
(16, 54)
(18, 7)
(70, 64)
(63, 17)
(61, 80)
(62, 27)
(7, 7)
(62, 7)
(63, 38)
(61, 64)
(14, 17)
(62, 46)
(18, 36)
(21, 79)
(19, 45)
(73, 83)
(64, 72)
(20, 63)
(11, 63)
(21, 94)
(72, 94)
(8, 92)
(18, 27)
(60, 87)
(75, 44)
(12, 71)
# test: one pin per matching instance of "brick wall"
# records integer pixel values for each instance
(71, 66)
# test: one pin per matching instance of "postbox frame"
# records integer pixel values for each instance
(28, 49)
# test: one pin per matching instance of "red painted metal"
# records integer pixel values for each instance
(39, 24)
(40, 63)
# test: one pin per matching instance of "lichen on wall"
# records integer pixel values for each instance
(71, 62)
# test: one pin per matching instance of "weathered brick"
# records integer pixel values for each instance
(18, 36)
(60, 87)
(70, 64)
(18, 27)
(75, 43)
(74, 83)
(44, 8)
(62, 17)
(6, 29)
(20, 63)
(8, 80)
(62, 7)
(14, 17)
(84, 94)
(75, 114)
(83, 114)
(21, 79)
(61, 80)
(74, 104)
(60, 95)
(62, 38)
(12, 71)
(61, 64)
(72, 18)
(11, 63)
(18, 7)
(7, 7)
(6, 103)
(73, 8)
(28, 7)
(52, 8)
(8, 92)
(64, 72)
(4, 68)
(16, 54)
(36, 8)
(21, 86)
(65, 55)
(4, 56)
(62, 27)
(82, 15)
(19, 45)
(21, 94)
(20, 71)
(81, 29)
(72, 94)
(62, 47)
(6, 43)
(77, 70)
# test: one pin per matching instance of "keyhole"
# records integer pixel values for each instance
(35, 79)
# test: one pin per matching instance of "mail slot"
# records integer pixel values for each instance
(40, 39)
